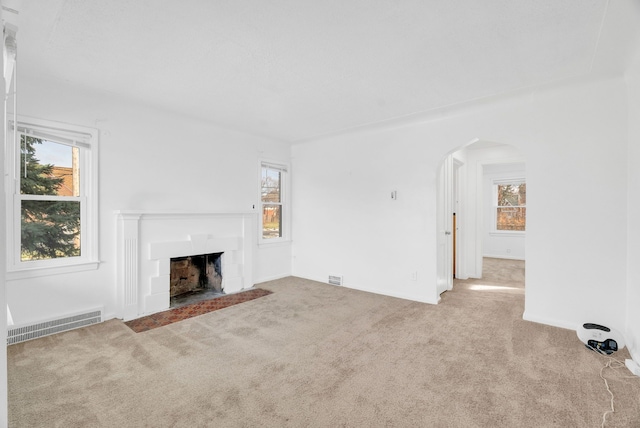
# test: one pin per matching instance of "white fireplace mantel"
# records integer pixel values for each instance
(148, 240)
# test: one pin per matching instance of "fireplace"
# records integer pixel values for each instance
(149, 241)
(194, 278)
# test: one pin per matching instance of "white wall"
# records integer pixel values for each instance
(503, 245)
(633, 231)
(573, 135)
(149, 160)
(345, 222)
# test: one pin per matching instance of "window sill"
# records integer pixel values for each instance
(50, 270)
(508, 234)
(279, 242)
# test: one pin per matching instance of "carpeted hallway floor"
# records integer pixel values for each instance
(315, 355)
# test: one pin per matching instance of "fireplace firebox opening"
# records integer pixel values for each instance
(195, 278)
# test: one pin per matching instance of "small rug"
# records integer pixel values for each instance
(182, 313)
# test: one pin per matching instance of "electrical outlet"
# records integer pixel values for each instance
(413, 276)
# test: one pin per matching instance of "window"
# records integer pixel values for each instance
(53, 208)
(272, 201)
(510, 209)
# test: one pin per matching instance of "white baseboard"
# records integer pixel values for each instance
(635, 356)
(397, 295)
(502, 256)
(271, 278)
(109, 316)
(528, 316)
(366, 290)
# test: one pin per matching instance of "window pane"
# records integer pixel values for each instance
(271, 221)
(510, 195)
(511, 218)
(270, 185)
(48, 168)
(49, 229)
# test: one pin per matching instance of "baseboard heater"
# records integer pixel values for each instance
(33, 331)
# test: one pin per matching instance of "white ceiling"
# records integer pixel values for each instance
(295, 69)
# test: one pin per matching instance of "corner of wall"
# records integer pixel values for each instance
(632, 80)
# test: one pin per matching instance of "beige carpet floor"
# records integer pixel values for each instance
(315, 355)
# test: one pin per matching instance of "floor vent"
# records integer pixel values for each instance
(22, 334)
(335, 280)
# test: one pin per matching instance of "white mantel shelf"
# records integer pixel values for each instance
(170, 214)
(147, 240)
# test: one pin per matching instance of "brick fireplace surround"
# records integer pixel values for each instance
(148, 240)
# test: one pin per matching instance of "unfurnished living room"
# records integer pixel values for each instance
(243, 213)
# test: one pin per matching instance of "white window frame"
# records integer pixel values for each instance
(86, 140)
(285, 224)
(494, 224)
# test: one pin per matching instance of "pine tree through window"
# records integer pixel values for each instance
(50, 200)
(53, 211)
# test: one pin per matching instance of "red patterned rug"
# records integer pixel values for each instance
(182, 313)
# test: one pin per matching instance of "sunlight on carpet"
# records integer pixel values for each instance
(481, 287)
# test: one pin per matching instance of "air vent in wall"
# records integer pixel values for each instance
(22, 334)
(335, 280)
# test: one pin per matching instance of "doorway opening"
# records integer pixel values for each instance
(481, 211)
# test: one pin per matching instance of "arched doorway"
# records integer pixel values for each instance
(466, 180)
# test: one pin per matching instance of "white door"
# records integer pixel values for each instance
(444, 223)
